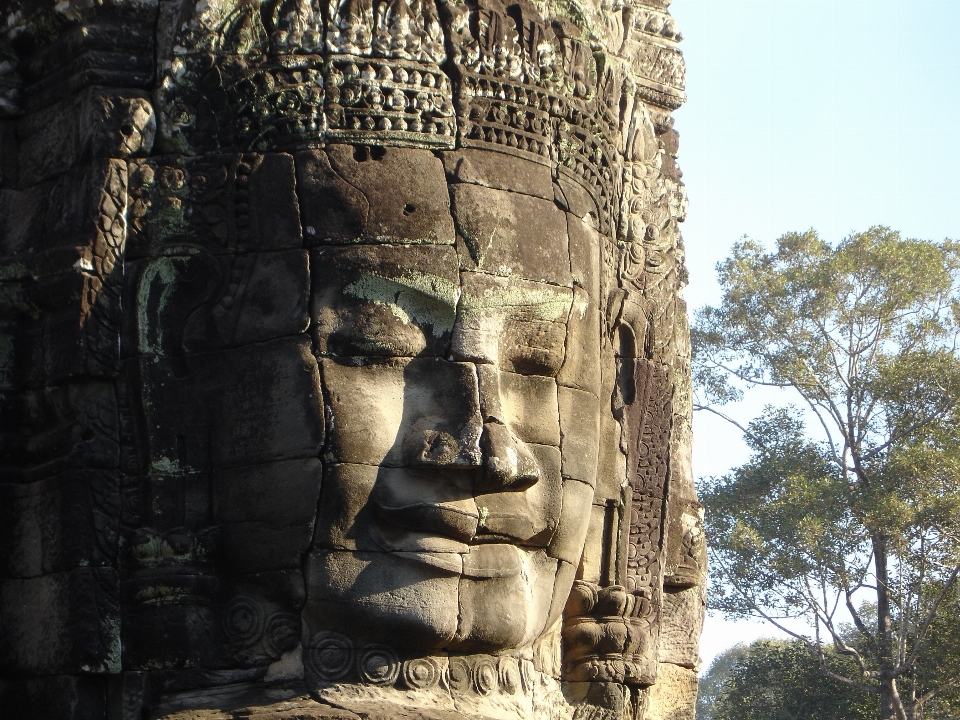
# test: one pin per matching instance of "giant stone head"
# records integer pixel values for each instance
(376, 374)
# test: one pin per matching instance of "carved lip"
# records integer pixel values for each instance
(457, 520)
(481, 562)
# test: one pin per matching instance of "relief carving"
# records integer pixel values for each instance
(344, 367)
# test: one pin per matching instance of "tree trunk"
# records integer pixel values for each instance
(890, 706)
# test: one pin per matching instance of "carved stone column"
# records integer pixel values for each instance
(344, 368)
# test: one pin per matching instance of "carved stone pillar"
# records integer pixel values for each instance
(344, 368)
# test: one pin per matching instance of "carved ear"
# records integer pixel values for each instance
(170, 289)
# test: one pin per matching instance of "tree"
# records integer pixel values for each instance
(862, 519)
(778, 680)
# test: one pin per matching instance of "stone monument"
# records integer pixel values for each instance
(344, 369)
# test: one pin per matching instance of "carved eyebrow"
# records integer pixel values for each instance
(548, 304)
(411, 297)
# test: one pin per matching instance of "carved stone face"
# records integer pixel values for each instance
(380, 394)
(461, 451)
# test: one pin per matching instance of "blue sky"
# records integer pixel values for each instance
(828, 114)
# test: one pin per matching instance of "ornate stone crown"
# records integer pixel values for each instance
(289, 74)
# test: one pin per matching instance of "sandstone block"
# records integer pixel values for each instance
(97, 123)
(222, 203)
(585, 256)
(596, 551)
(369, 508)
(498, 612)
(581, 365)
(244, 406)
(681, 621)
(391, 195)
(529, 515)
(568, 543)
(498, 171)
(193, 301)
(265, 296)
(530, 408)
(511, 234)
(580, 434)
(226, 625)
(576, 199)
(674, 695)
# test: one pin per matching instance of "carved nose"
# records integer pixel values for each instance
(508, 463)
(437, 448)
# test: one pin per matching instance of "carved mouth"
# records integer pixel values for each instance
(443, 533)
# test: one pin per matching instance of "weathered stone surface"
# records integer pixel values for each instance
(519, 326)
(370, 508)
(403, 601)
(681, 624)
(195, 301)
(500, 172)
(385, 300)
(244, 623)
(392, 195)
(528, 514)
(298, 709)
(61, 623)
(87, 228)
(585, 244)
(576, 199)
(369, 380)
(221, 203)
(97, 123)
(266, 512)
(511, 234)
(611, 461)
(420, 412)
(581, 362)
(594, 564)
(568, 543)
(579, 435)
(499, 613)
(674, 695)
(239, 407)
(529, 405)
(64, 522)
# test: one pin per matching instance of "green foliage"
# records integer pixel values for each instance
(866, 502)
(777, 680)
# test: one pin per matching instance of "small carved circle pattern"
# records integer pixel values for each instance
(527, 676)
(421, 673)
(484, 676)
(330, 656)
(242, 621)
(459, 675)
(509, 675)
(282, 634)
(378, 665)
